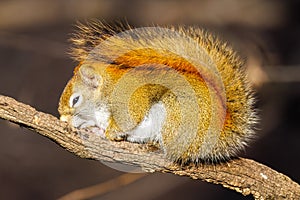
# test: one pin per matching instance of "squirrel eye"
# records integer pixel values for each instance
(75, 100)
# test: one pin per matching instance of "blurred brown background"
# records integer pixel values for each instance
(35, 67)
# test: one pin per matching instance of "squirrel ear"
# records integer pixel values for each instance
(89, 76)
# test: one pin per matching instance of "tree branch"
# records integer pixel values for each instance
(242, 175)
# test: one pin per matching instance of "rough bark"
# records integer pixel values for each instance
(242, 175)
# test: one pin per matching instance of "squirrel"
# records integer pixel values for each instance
(179, 88)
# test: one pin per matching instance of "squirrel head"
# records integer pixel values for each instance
(79, 103)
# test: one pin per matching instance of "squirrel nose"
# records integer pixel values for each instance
(64, 118)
